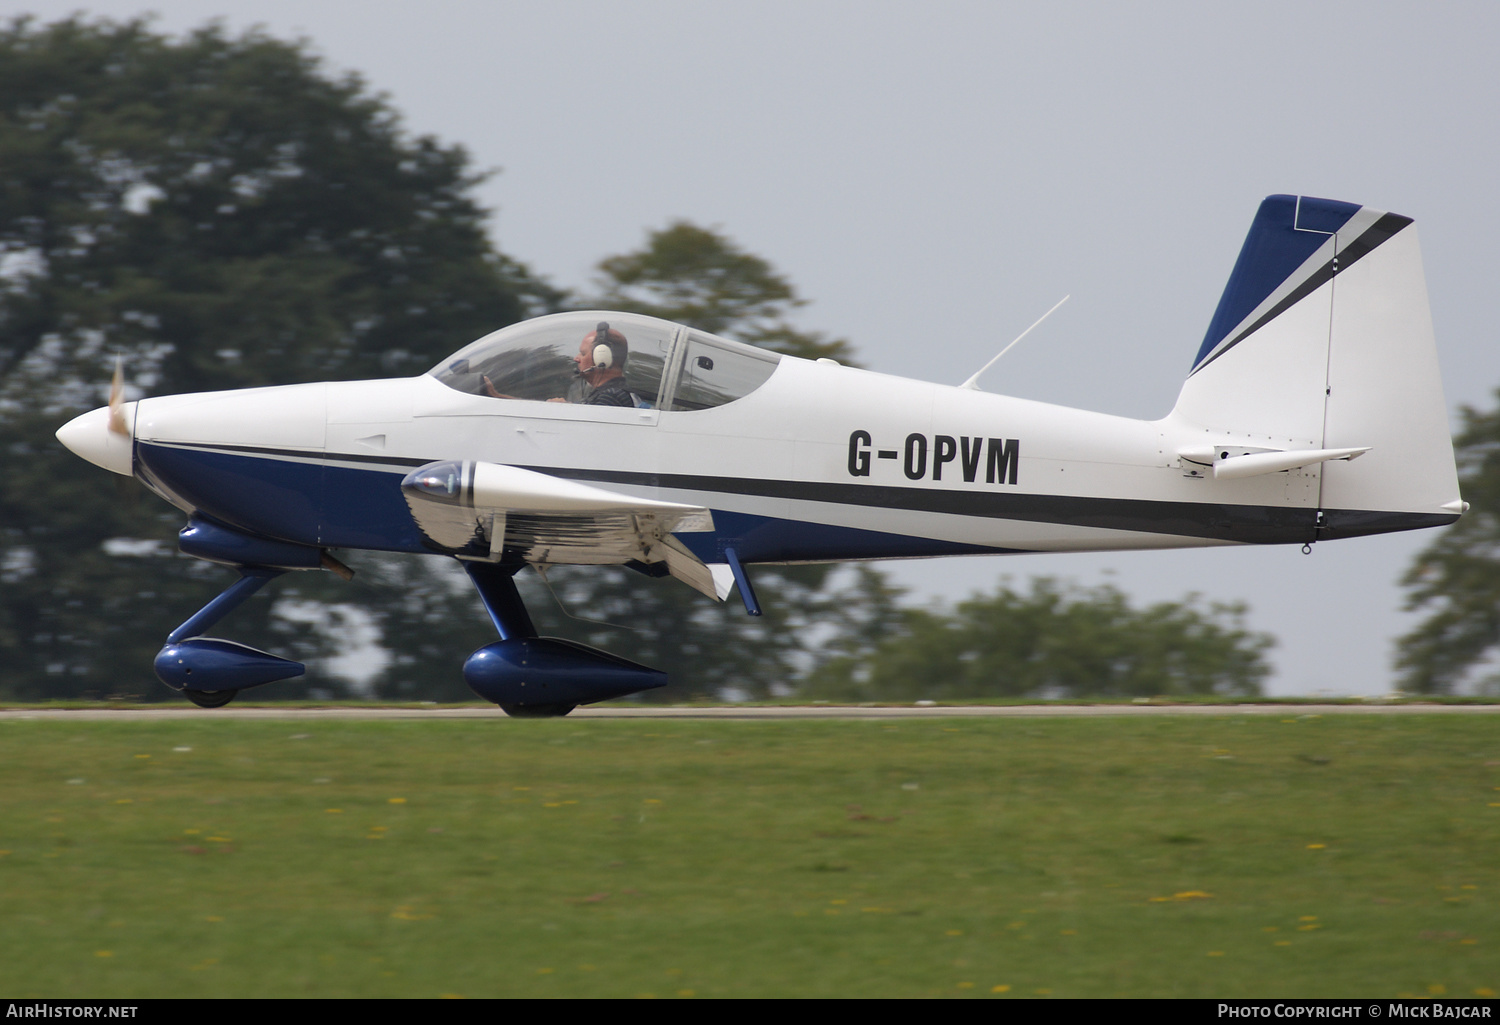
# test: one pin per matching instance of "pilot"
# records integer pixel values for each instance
(600, 368)
(601, 362)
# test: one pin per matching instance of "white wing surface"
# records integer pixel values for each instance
(486, 510)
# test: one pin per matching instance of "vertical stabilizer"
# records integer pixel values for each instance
(1323, 340)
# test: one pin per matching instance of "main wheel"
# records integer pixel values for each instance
(210, 698)
(536, 711)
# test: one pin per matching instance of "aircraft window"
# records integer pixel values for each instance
(716, 371)
(539, 360)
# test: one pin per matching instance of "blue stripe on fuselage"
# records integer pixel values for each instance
(770, 539)
(344, 507)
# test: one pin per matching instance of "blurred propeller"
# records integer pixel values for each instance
(104, 436)
(117, 399)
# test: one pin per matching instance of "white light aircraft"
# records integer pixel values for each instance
(1313, 411)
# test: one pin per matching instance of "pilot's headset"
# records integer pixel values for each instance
(604, 356)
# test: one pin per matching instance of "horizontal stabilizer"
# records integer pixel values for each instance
(1257, 463)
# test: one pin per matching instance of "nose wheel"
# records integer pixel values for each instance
(210, 698)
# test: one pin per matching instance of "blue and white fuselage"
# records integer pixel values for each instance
(1313, 411)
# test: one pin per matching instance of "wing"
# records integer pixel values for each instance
(484, 510)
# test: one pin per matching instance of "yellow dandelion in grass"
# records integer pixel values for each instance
(143, 756)
(1437, 989)
(1469, 942)
(551, 804)
(1215, 953)
(1042, 992)
(1000, 989)
(965, 985)
(1309, 927)
(545, 971)
(395, 800)
(217, 839)
(1307, 918)
(1484, 991)
(1317, 846)
(125, 800)
(104, 953)
(687, 992)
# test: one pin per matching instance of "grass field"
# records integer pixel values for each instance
(1296, 855)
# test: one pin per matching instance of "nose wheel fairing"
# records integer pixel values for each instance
(207, 669)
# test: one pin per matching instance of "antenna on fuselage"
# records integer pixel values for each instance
(973, 383)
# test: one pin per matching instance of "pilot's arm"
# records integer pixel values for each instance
(489, 386)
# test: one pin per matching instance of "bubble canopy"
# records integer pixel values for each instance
(666, 366)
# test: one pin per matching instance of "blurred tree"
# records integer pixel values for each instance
(1055, 642)
(225, 214)
(1457, 576)
(698, 277)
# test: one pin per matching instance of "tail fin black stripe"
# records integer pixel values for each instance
(1368, 241)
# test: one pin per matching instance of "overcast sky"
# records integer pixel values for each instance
(935, 175)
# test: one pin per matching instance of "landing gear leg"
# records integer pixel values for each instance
(496, 585)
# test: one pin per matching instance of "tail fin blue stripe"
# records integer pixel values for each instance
(1286, 231)
(1348, 256)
